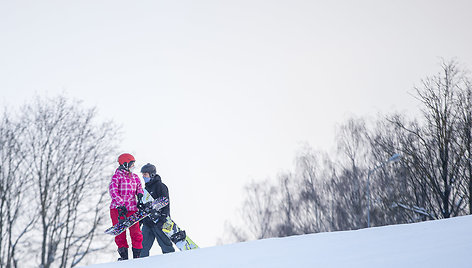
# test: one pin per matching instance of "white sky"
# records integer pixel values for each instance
(217, 93)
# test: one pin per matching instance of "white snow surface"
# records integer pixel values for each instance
(441, 243)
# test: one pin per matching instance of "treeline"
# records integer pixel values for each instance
(52, 182)
(431, 180)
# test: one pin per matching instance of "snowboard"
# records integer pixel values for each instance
(170, 228)
(137, 216)
(177, 235)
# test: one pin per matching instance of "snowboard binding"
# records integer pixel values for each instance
(154, 215)
(122, 214)
(179, 236)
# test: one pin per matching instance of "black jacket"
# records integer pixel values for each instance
(156, 188)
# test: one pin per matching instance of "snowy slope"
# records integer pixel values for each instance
(443, 243)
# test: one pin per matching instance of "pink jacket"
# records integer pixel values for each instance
(123, 188)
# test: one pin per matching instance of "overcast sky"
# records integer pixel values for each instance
(217, 93)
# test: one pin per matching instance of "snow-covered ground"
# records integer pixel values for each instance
(442, 243)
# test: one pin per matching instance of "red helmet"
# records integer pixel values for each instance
(125, 158)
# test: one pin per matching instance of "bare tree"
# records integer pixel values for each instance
(67, 151)
(259, 210)
(309, 189)
(51, 174)
(256, 218)
(433, 180)
(465, 132)
(347, 185)
(292, 205)
(15, 218)
(432, 148)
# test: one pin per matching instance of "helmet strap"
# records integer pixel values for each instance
(124, 166)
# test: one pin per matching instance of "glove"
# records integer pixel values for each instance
(140, 201)
(141, 205)
(162, 218)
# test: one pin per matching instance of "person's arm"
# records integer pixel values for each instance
(165, 192)
(114, 191)
(139, 186)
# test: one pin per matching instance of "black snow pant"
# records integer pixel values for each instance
(155, 232)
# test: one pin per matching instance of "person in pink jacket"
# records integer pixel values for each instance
(124, 187)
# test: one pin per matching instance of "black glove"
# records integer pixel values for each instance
(162, 218)
(140, 201)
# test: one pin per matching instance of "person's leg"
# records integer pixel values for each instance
(148, 240)
(163, 241)
(136, 237)
(123, 254)
(120, 239)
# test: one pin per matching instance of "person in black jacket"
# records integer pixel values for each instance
(152, 226)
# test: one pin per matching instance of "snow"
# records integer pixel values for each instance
(441, 243)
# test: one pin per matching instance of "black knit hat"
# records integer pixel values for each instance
(149, 168)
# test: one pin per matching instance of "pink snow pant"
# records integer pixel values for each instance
(134, 232)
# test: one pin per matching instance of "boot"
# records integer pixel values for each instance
(123, 253)
(136, 253)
